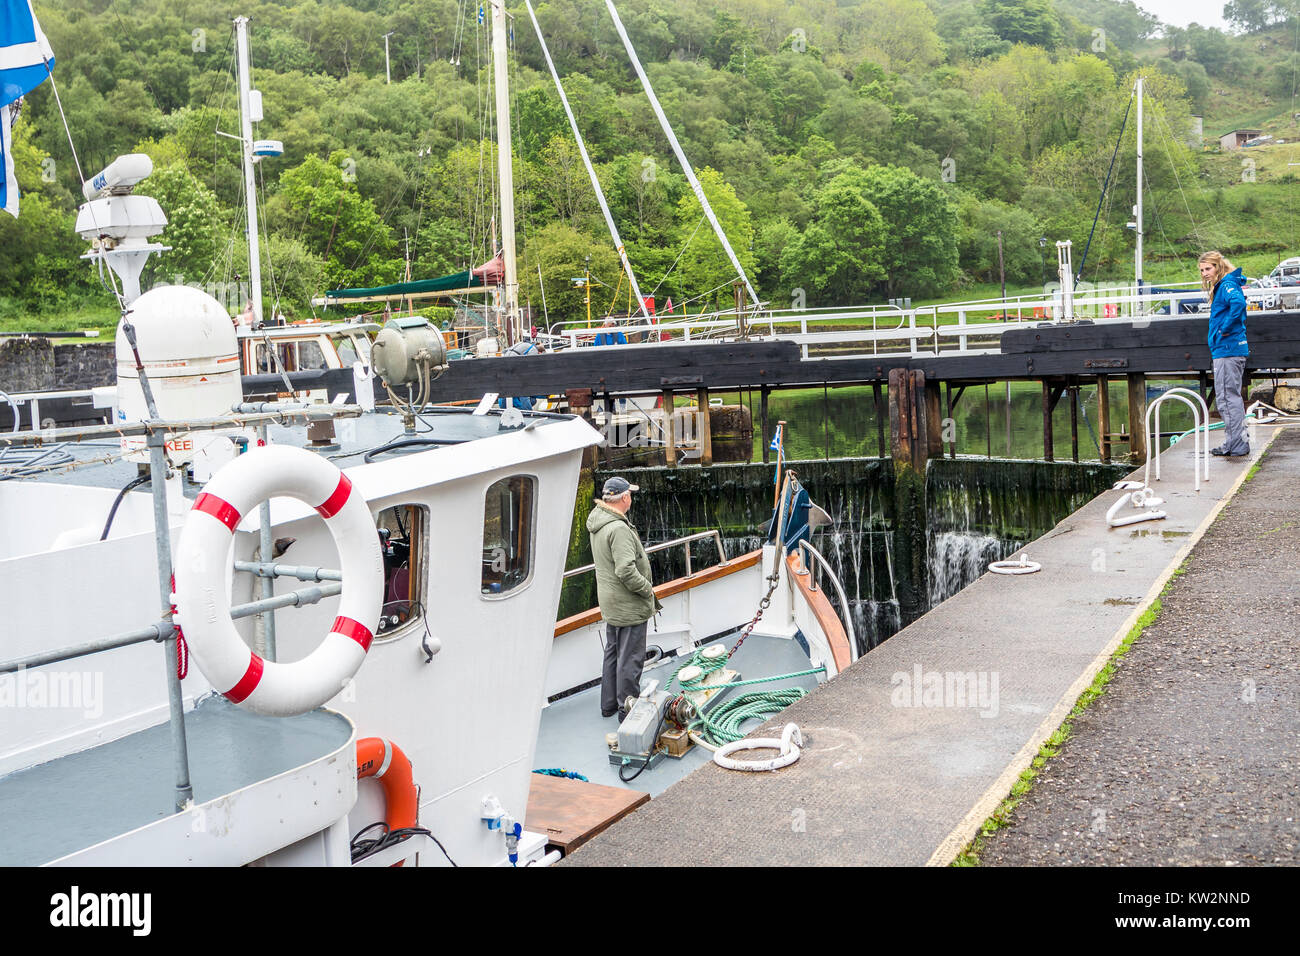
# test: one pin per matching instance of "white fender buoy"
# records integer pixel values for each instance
(203, 604)
(1124, 499)
(789, 744)
(1023, 566)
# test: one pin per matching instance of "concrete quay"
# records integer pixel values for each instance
(912, 747)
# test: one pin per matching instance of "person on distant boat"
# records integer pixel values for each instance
(246, 318)
(524, 346)
(625, 593)
(1228, 349)
(610, 334)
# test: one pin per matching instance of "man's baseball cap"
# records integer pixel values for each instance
(617, 487)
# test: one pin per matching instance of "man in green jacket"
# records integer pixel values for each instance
(625, 592)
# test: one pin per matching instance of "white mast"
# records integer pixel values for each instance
(681, 156)
(504, 167)
(586, 160)
(250, 189)
(1137, 209)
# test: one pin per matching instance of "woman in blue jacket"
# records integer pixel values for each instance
(1228, 349)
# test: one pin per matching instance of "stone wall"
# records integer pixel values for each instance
(26, 365)
(38, 365)
(84, 366)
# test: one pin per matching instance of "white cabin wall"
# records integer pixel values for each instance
(33, 514)
(49, 603)
(476, 707)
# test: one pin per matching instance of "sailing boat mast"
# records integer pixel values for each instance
(1137, 208)
(250, 189)
(681, 156)
(586, 160)
(505, 169)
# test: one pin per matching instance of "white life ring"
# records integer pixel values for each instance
(203, 604)
(789, 744)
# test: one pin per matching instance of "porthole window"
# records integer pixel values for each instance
(509, 519)
(402, 539)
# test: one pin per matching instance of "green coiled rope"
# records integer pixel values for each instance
(721, 724)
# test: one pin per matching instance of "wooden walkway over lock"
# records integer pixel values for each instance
(1062, 357)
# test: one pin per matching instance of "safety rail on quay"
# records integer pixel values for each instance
(969, 327)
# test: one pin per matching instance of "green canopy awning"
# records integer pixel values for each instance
(457, 280)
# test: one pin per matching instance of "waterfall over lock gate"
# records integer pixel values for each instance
(977, 510)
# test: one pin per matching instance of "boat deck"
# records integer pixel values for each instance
(899, 769)
(98, 463)
(66, 805)
(572, 732)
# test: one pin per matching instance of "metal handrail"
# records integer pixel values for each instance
(698, 536)
(845, 617)
(166, 631)
(796, 325)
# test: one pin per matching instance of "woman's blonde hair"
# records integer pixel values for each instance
(1221, 268)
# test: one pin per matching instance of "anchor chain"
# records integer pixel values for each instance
(763, 605)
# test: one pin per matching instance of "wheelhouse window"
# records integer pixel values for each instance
(403, 539)
(290, 356)
(509, 518)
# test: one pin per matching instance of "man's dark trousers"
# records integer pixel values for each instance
(621, 672)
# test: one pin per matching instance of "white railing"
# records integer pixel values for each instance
(968, 327)
(815, 569)
(686, 540)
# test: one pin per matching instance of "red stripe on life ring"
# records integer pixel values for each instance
(353, 629)
(248, 683)
(222, 510)
(335, 502)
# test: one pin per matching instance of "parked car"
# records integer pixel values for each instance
(1285, 278)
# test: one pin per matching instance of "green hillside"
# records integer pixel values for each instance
(854, 149)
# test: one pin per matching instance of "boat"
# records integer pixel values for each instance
(432, 562)
(396, 706)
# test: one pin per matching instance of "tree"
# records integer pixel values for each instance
(920, 255)
(562, 253)
(898, 34)
(704, 265)
(1249, 16)
(1210, 48)
(1023, 260)
(38, 250)
(194, 226)
(839, 258)
(566, 185)
(1024, 21)
(319, 204)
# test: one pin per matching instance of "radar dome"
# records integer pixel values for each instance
(190, 354)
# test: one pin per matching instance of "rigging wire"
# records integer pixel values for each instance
(1105, 186)
(679, 256)
(1173, 165)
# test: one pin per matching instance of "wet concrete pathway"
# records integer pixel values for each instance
(912, 747)
(1193, 753)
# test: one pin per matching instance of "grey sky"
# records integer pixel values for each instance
(1208, 13)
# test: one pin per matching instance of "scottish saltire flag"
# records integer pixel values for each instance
(25, 61)
(480, 15)
(8, 185)
(776, 440)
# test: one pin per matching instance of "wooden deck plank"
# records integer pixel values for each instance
(571, 812)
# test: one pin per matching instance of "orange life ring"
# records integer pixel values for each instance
(384, 760)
